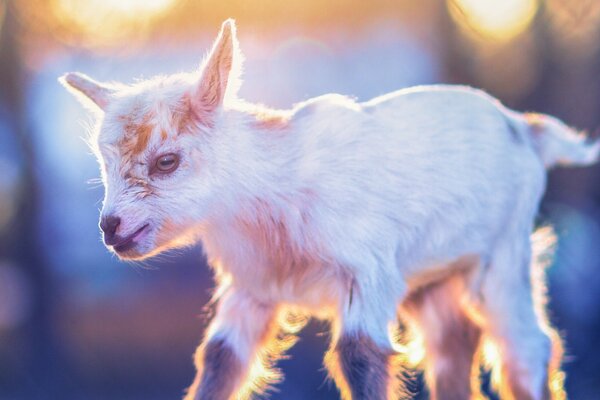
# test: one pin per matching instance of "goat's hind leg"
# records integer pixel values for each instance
(514, 319)
(450, 337)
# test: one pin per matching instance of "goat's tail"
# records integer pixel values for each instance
(558, 144)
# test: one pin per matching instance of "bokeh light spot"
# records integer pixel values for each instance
(493, 19)
(105, 22)
(92, 9)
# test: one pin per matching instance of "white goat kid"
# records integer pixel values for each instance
(420, 202)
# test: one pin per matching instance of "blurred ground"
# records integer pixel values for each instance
(76, 323)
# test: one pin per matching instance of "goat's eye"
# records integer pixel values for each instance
(166, 163)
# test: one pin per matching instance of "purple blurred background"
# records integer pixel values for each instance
(75, 323)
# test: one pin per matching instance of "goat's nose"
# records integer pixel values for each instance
(109, 225)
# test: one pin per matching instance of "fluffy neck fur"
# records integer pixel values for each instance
(258, 160)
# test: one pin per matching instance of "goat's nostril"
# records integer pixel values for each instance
(109, 225)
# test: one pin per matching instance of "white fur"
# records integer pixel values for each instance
(375, 200)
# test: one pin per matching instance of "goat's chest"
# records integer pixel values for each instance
(276, 264)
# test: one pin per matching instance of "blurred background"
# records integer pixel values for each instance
(77, 324)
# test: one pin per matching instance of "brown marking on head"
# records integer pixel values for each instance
(137, 132)
(143, 133)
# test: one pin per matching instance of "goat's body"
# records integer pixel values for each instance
(420, 202)
(388, 183)
(347, 209)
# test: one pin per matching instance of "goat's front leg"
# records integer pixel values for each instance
(241, 327)
(360, 359)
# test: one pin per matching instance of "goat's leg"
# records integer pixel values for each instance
(361, 358)
(361, 368)
(514, 319)
(450, 337)
(241, 328)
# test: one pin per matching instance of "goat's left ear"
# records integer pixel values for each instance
(220, 73)
(100, 94)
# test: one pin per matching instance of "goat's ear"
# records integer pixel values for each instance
(220, 74)
(86, 88)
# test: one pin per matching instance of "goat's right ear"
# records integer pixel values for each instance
(86, 88)
(220, 73)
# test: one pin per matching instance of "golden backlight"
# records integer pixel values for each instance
(92, 9)
(500, 20)
(106, 21)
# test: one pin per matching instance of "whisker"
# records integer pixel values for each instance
(94, 181)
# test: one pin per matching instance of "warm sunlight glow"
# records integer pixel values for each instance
(415, 352)
(492, 361)
(89, 9)
(491, 353)
(493, 19)
(411, 349)
(108, 21)
(557, 385)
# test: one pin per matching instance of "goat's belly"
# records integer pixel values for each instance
(436, 272)
(315, 288)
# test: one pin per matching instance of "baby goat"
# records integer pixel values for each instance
(419, 204)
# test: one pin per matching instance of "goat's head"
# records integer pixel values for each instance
(153, 142)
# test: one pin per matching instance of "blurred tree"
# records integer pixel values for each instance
(20, 244)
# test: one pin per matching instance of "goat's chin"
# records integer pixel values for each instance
(152, 247)
(137, 253)
(138, 250)
(133, 255)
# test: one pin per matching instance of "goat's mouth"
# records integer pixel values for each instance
(128, 243)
